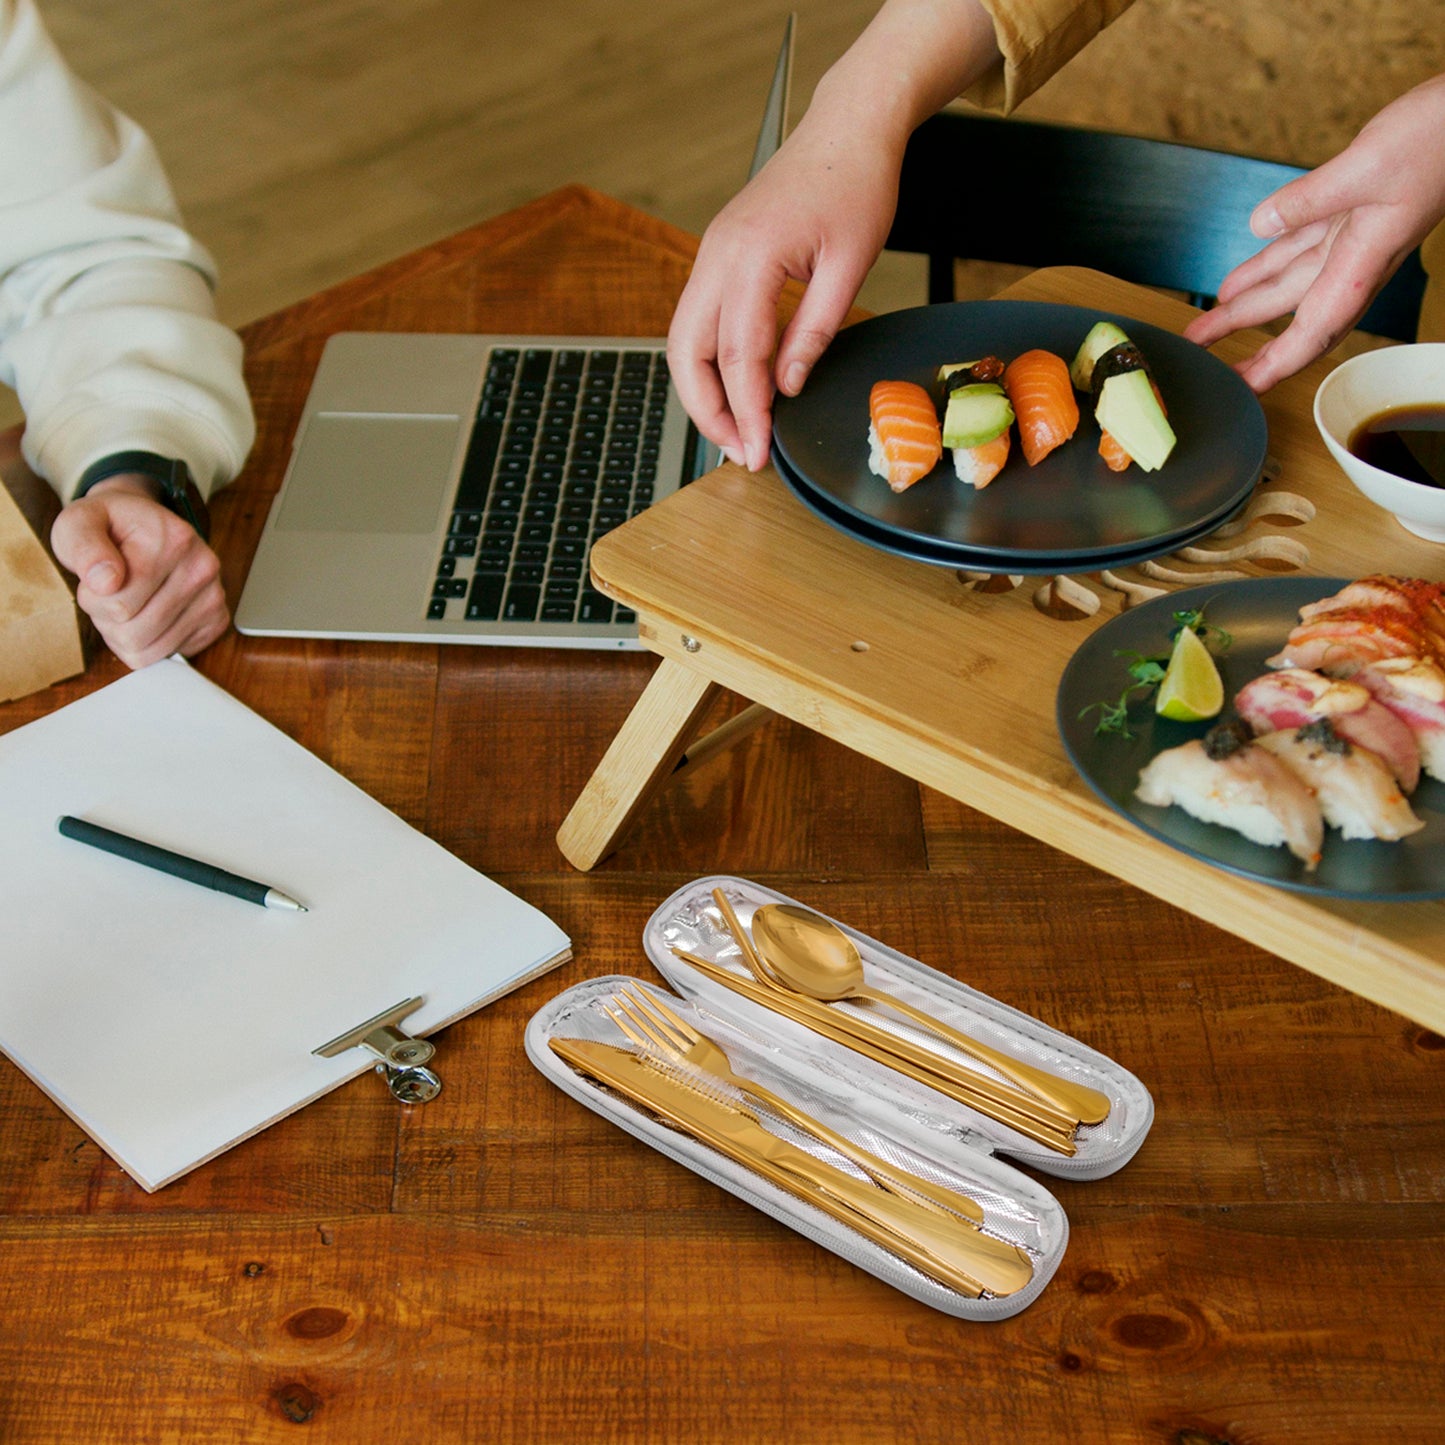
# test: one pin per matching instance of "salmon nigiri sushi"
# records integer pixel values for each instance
(1042, 395)
(904, 438)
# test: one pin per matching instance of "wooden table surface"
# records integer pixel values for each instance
(502, 1265)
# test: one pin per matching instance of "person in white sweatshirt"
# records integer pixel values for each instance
(132, 389)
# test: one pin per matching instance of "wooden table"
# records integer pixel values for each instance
(501, 1265)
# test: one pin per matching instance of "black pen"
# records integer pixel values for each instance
(176, 864)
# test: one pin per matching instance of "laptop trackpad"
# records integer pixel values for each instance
(369, 473)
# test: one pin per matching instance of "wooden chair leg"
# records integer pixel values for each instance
(639, 761)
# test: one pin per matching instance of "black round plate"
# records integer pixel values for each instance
(1070, 506)
(1258, 614)
(944, 554)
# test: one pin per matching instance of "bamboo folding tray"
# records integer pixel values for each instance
(920, 1132)
(952, 677)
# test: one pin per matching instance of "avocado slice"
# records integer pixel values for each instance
(975, 414)
(1103, 336)
(1130, 412)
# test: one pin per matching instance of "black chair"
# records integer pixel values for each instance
(981, 188)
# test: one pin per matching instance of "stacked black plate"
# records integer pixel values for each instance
(1068, 514)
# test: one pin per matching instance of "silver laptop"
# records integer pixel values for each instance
(448, 488)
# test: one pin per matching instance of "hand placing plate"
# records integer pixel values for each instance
(1069, 512)
(1258, 614)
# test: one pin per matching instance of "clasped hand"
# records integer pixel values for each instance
(149, 583)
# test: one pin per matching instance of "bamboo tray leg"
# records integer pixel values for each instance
(639, 761)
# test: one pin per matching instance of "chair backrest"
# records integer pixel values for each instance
(980, 188)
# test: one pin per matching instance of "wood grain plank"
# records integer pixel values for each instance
(1242, 1325)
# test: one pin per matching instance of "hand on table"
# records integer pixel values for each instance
(1339, 234)
(149, 583)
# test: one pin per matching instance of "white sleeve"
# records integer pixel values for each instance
(108, 330)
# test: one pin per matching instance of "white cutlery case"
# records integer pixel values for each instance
(892, 1115)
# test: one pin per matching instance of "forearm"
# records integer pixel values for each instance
(913, 58)
(107, 321)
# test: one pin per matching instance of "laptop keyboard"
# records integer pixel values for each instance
(564, 448)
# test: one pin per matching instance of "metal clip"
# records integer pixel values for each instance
(401, 1055)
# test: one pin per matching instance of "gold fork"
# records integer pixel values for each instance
(669, 1032)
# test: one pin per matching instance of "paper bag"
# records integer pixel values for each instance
(41, 639)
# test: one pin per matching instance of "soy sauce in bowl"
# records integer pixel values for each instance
(1406, 441)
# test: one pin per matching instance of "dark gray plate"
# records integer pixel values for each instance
(1259, 614)
(945, 554)
(1070, 506)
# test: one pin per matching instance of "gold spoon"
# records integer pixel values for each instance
(815, 958)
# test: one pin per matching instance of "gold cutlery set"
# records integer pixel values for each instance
(666, 1055)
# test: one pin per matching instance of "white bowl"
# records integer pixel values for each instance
(1363, 387)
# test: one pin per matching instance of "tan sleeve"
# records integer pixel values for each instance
(1037, 38)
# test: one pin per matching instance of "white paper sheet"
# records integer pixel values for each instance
(171, 1021)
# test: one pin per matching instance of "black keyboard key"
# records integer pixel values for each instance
(521, 604)
(536, 363)
(461, 546)
(569, 363)
(484, 601)
(437, 609)
(594, 607)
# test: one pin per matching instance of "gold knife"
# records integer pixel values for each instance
(1032, 1117)
(947, 1250)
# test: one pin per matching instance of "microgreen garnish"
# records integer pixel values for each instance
(1146, 672)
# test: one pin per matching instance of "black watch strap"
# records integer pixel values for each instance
(178, 493)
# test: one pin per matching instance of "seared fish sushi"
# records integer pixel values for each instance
(1413, 688)
(1293, 697)
(1356, 792)
(1224, 778)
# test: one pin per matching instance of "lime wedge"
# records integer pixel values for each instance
(1192, 689)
